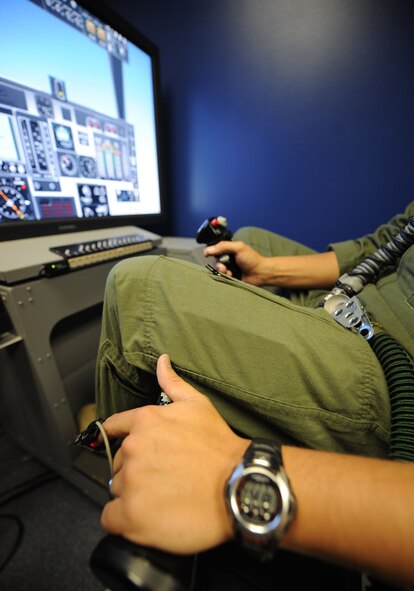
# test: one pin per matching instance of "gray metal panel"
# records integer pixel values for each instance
(24, 259)
(47, 361)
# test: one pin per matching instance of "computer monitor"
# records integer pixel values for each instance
(79, 125)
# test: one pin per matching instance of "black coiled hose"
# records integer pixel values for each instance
(399, 373)
(386, 256)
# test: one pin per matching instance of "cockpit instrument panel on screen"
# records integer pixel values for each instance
(77, 117)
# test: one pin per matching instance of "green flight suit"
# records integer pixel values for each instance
(274, 364)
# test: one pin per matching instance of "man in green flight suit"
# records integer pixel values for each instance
(276, 366)
(272, 362)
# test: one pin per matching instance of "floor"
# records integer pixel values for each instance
(48, 529)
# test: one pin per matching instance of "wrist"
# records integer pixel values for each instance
(260, 499)
(267, 272)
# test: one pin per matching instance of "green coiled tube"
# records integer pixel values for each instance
(399, 373)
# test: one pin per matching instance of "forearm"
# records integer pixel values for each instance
(353, 510)
(311, 271)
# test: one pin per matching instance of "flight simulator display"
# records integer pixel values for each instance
(78, 126)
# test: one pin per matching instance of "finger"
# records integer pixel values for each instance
(219, 248)
(113, 486)
(118, 461)
(119, 424)
(112, 517)
(171, 383)
(223, 269)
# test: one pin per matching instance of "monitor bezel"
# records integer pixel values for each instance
(156, 222)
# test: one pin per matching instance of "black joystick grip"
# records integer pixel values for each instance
(214, 230)
(121, 565)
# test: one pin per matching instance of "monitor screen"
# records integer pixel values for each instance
(78, 120)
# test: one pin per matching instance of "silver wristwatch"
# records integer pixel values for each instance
(260, 498)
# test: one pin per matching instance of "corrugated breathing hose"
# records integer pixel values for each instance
(399, 373)
(398, 368)
(386, 256)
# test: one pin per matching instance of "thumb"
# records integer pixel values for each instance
(171, 383)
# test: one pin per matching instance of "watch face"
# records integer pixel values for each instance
(258, 499)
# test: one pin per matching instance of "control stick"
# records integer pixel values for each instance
(213, 230)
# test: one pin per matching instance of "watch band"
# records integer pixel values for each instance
(263, 452)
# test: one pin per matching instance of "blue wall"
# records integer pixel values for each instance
(294, 115)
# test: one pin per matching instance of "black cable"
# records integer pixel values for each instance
(13, 493)
(18, 540)
(24, 487)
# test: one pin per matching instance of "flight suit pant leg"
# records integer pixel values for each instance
(272, 368)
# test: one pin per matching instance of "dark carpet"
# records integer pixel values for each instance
(47, 533)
